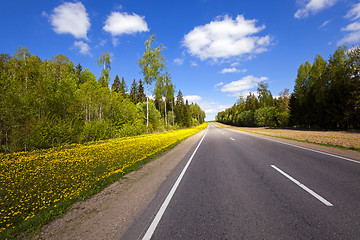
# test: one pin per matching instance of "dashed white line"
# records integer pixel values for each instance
(232, 139)
(163, 207)
(314, 194)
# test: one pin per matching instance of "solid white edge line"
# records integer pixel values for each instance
(293, 145)
(314, 194)
(163, 207)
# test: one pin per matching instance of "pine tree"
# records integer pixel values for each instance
(134, 92)
(179, 107)
(116, 86)
(141, 97)
(78, 71)
(123, 87)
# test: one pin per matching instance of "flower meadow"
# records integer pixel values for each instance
(36, 186)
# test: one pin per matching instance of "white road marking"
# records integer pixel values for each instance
(314, 194)
(232, 139)
(293, 145)
(163, 207)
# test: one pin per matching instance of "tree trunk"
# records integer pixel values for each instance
(147, 107)
(165, 113)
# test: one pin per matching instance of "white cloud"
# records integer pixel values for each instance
(123, 23)
(238, 87)
(313, 7)
(178, 61)
(71, 18)
(194, 64)
(218, 84)
(324, 24)
(225, 38)
(234, 64)
(115, 41)
(352, 37)
(83, 47)
(232, 70)
(353, 29)
(192, 98)
(354, 13)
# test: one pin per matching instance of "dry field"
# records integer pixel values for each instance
(343, 139)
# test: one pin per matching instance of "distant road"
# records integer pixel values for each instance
(239, 186)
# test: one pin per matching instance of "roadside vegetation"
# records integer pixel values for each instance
(39, 185)
(326, 96)
(49, 103)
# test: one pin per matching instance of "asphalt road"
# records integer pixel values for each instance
(239, 186)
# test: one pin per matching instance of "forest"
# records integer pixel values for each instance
(326, 95)
(48, 103)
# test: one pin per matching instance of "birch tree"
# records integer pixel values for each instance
(151, 64)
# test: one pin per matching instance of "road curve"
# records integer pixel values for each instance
(239, 186)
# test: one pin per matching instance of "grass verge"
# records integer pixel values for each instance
(37, 186)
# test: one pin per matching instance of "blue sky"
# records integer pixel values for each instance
(215, 50)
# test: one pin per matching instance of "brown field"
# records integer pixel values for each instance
(342, 139)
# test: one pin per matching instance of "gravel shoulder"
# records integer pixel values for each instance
(341, 138)
(107, 214)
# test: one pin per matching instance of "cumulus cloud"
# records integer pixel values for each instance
(71, 18)
(192, 98)
(353, 29)
(313, 7)
(83, 47)
(232, 70)
(238, 87)
(123, 23)
(225, 38)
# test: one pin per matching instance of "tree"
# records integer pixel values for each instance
(151, 64)
(169, 92)
(264, 95)
(179, 108)
(116, 86)
(141, 97)
(133, 92)
(123, 87)
(105, 63)
(78, 71)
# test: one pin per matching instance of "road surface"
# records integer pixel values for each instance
(238, 186)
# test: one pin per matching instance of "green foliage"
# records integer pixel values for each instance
(105, 63)
(133, 92)
(141, 97)
(326, 93)
(50, 103)
(151, 64)
(261, 111)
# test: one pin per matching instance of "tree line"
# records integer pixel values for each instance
(326, 95)
(47, 103)
(262, 110)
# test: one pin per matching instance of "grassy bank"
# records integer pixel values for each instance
(37, 186)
